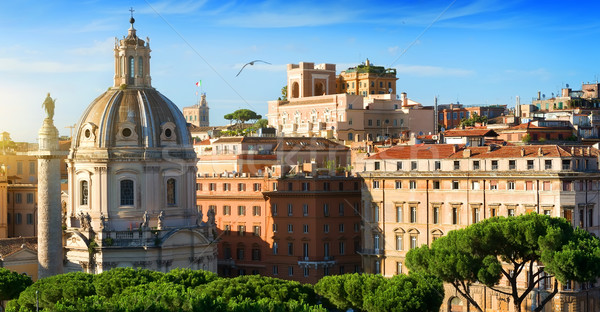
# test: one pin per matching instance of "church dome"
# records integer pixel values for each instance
(132, 115)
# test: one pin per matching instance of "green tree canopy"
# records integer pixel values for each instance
(12, 284)
(242, 115)
(367, 292)
(533, 245)
(261, 123)
(471, 121)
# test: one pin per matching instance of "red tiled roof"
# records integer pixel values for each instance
(8, 246)
(420, 151)
(476, 132)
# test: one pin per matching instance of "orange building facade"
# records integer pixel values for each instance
(298, 227)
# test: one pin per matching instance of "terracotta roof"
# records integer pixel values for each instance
(474, 132)
(312, 144)
(8, 246)
(203, 142)
(419, 151)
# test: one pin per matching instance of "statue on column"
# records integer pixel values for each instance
(48, 105)
(102, 221)
(211, 217)
(144, 220)
(161, 218)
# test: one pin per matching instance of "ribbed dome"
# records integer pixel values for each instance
(132, 118)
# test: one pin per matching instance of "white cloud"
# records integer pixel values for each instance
(16, 65)
(433, 71)
(98, 48)
(171, 7)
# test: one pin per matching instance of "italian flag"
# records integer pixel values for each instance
(198, 83)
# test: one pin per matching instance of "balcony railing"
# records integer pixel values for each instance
(316, 261)
(371, 251)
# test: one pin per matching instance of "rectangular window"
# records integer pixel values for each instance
(241, 187)
(398, 268)
(377, 165)
(399, 213)
(399, 244)
(475, 164)
(398, 184)
(475, 215)
(493, 212)
(454, 215)
(455, 185)
(375, 213)
(212, 186)
(398, 165)
(31, 167)
(256, 210)
(375, 184)
(512, 164)
(227, 229)
(226, 210)
(326, 186)
(493, 184)
(18, 198)
(528, 185)
(413, 165)
(305, 210)
(341, 227)
(256, 230)
(413, 241)
(257, 187)
(547, 212)
(529, 164)
(18, 218)
(546, 186)
(436, 215)
(341, 209)
(475, 185)
(274, 227)
(30, 218)
(274, 209)
(290, 186)
(437, 165)
(305, 228)
(275, 248)
(412, 184)
(326, 228)
(456, 165)
(342, 248)
(241, 230)
(413, 214)
(30, 198)
(326, 210)
(548, 164)
(567, 185)
(290, 249)
(240, 253)
(494, 165)
(19, 167)
(226, 187)
(290, 210)
(241, 210)
(510, 185)
(305, 186)
(275, 270)
(511, 212)
(341, 186)
(436, 185)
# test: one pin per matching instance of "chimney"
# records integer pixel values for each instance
(466, 153)
(539, 95)
(404, 99)
(522, 152)
(540, 152)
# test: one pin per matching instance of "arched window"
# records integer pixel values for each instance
(83, 192)
(131, 67)
(140, 67)
(127, 198)
(171, 184)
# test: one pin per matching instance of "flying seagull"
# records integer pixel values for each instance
(251, 63)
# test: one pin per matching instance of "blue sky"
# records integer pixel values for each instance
(475, 52)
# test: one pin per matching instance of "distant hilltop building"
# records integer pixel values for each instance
(360, 104)
(588, 98)
(197, 114)
(131, 172)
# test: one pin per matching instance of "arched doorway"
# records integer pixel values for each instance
(319, 88)
(455, 304)
(295, 90)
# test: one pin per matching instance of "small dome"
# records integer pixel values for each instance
(132, 118)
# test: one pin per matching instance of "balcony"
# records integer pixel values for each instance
(371, 252)
(316, 262)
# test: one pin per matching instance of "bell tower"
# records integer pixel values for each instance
(132, 59)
